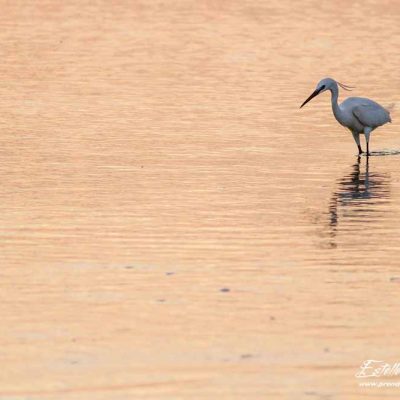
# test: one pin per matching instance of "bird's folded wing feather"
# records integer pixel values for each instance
(371, 114)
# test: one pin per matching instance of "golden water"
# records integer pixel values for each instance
(172, 225)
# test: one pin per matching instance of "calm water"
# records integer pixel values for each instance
(172, 225)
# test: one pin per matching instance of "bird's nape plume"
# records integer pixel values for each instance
(345, 87)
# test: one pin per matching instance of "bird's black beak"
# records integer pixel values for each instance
(313, 94)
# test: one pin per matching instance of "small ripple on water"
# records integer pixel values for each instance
(383, 153)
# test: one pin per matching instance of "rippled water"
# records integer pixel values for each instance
(172, 225)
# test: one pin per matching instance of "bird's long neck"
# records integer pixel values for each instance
(337, 112)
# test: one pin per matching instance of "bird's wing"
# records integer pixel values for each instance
(370, 113)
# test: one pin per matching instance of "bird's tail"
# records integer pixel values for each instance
(389, 109)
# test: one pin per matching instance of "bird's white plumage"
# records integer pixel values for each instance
(367, 111)
(360, 115)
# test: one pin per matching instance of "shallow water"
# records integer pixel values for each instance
(172, 225)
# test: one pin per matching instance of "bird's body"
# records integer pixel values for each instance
(358, 114)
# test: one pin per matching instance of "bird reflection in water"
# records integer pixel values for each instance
(357, 199)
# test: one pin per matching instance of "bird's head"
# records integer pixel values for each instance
(324, 85)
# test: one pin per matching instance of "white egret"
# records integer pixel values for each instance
(358, 114)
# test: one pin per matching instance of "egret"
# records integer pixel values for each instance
(358, 114)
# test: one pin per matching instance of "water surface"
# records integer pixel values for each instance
(172, 225)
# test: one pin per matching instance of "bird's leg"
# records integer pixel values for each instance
(367, 132)
(356, 137)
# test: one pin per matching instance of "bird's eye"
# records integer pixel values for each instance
(322, 87)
